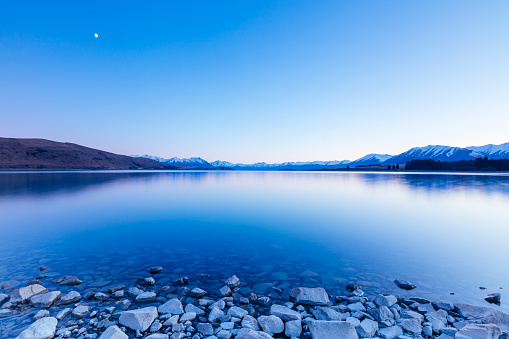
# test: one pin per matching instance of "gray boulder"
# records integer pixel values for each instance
(232, 281)
(173, 306)
(23, 294)
(403, 284)
(247, 333)
(479, 331)
(81, 311)
(70, 298)
(367, 328)
(271, 324)
(293, 328)
(45, 300)
(411, 325)
(113, 332)
(43, 328)
(382, 313)
(139, 320)
(390, 332)
(237, 312)
(250, 323)
(310, 296)
(332, 329)
(284, 313)
(385, 300)
(326, 313)
(205, 329)
(146, 297)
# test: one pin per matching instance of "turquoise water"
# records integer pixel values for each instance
(443, 232)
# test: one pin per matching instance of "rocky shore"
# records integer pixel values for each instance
(232, 308)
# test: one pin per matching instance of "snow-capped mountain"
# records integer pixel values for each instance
(491, 151)
(180, 162)
(371, 159)
(299, 165)
(435, 152)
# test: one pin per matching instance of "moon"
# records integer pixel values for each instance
(96, 35)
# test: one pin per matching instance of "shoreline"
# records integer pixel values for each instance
(182, 308)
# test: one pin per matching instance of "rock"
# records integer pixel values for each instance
(70, 298)
(70, 282)
(310, 296)
(437, 319)
(41, 314)
(155, 269)
(382, 313)
(411, 325)
(173, 306)
(113, 332)
(479, 331)
(271, 324)
(215, 314)
(390, 332)
(188, 316)
(81, 311)
(493, 298)
(356, 307)
(138, 320)
(284, 313)
(146, 297)
(43, 328)
(250, 323)
(101, 296)
(197, 292)
(115, 289)
(133, 292)
(403, 284)
(442, 306)
(385, 300)
(321, 329)
(367, 328)
(247, 333)
(420, 300)
(64, 313)
(181, 281)
(293, 328)
(6, 313)
(205, 329)
(450, 331)
(191, 308)
(146, 281)
(232, 281)
(352, 287)
(34, 282)
(225, 291)
(157, 336)
(485, 314)
(45, 300)
(407, 314)
(118, 294)
(237, 312)
(23, 294)
(3, 298)
(326, 313)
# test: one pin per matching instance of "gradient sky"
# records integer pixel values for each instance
(248, 81)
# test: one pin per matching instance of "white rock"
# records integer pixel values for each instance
(237, 312)
(188, 316)
(146, 297)
(191, 308)
(70, 298)
(113, 332)
(232, 281)
(250, 323)
(45, 300)
(215, 314)
(385, 300)
(64, 313)
(173, 306)
(284, 313)
(271, 324)
(479, 331)
(81, 311)
(157, 336)
(247, 333)
(23, 294)
(139, 320)
(321, 329)
(367, 328)
(43, 328)
(205, 329)
(293, 328)
(41, 314)
(390, 332)
(310, 296)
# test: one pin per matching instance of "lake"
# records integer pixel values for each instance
(446, 233)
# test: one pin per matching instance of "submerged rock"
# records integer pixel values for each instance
(45, 300)
(232, 281)
(70, 298)
(155, 269)
(43, 328)
(403, 284)
(70, 282)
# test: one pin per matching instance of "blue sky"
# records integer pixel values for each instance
(248, 81)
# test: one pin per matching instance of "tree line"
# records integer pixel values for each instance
(479, 164)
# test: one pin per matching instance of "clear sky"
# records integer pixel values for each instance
(248, 81)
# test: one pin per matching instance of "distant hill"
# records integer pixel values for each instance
(47, 154)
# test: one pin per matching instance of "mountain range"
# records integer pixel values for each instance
(435, 152)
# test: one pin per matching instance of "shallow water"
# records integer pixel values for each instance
(443, 232)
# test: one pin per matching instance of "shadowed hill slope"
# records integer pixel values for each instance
(47, 154)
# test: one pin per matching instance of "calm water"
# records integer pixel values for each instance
(445, 233)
